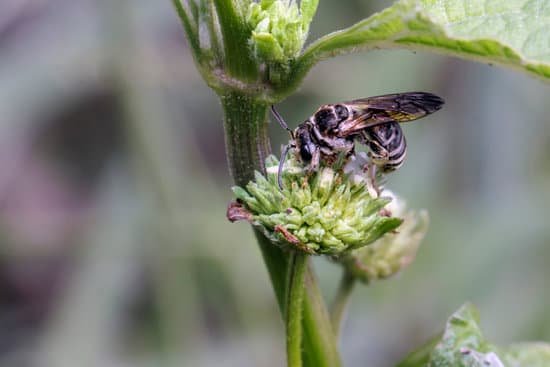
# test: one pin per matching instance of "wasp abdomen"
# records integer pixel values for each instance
(387, 145)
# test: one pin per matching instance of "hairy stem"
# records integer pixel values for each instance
(247, 142)
(341, 301)
(295, 297)
(191, 30)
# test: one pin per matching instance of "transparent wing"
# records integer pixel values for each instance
(400, 107)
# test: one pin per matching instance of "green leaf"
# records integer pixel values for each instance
(463, 345)
(512, 33)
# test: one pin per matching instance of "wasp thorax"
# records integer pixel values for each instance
(328, 118)
(341, 112)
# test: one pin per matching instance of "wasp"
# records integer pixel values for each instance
(333, 130)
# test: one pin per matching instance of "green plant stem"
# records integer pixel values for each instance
(190, 27)
(341, 301)
(276, 262)
(247, 144)
(320, 345)
(238, 58)
(295, 297)
(208, 12)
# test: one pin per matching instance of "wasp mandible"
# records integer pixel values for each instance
(333, 129)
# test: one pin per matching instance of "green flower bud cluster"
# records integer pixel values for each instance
(322, 212)
(279, 28)
(393, 252)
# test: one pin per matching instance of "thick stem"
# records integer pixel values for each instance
(341, 301)
(247, 142)
(297, 269)
(276, 262)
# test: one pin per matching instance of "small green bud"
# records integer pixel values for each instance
(279, 28)
(393, 252)
(266, 46)
(321, 212)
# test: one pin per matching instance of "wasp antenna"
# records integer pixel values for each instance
(281, 121)
(281, 165)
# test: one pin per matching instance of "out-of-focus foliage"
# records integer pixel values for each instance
(462, 345)
(112, 158)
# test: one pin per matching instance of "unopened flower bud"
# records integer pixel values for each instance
(393, 252)
(279, 28)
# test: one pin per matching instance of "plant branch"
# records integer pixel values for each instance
(238, 58)
(190, 30)
(295, 297)
(320, 346)
(208, 12)
(341, 301)
(276, 262)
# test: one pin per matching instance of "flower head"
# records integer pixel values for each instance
(393, 252)
(324, 212)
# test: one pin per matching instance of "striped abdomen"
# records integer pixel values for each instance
(387, 145)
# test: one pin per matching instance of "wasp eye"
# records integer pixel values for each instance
(341, 112)
(325, 119)
(305, 153)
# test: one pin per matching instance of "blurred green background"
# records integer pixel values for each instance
(114, 247)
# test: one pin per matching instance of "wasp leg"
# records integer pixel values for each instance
(315, 160)
(371, 171)
(281, 165)
(313, 165)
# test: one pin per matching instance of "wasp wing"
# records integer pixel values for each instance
(400, 107)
